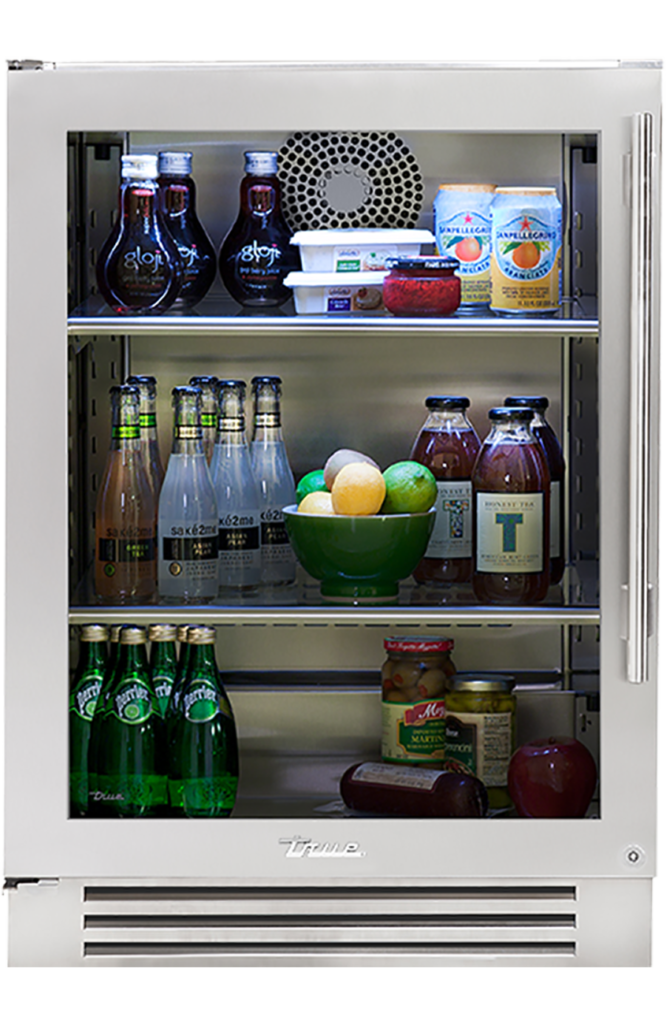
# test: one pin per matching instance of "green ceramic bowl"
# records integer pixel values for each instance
(359, 558)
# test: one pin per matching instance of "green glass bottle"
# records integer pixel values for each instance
(84, 692)
(203, 761)
(94, 807)
(163, 662)
(129, 737)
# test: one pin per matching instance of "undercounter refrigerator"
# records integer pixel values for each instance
(333, 416)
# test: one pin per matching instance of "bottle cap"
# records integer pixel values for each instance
(506, 413)
(140, 166)
(202, 635)
(259, 382)
(469, 682)
(162, 631)
(529, 402)
(418, 644)
(447, 402)
(182, 633)
(115, 633)
(133, 635)
(204, 383)
(176, 165)
(92, 634)
(260, 163)
(145, 384)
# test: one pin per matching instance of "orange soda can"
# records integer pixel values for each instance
(526, 250)
(462, 228)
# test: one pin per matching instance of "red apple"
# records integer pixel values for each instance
(552, 778)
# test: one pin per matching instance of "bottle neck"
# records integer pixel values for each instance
(178, 196)
(202, 662)
(148, 425)
(92, 656)
(188, 433)
(511, 432)
(260, 197)
(267, 417)
(125, 427)
(447, 420)
(138, 202)
(132, 659)
(163, 654)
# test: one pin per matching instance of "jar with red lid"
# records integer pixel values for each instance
(414, 683)
(422, 286)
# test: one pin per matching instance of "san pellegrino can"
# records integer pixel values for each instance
(163, 662)
(188, 521)
(203, 758)
(84, 693)
(526, 251)
(462, 227)
(130, 743)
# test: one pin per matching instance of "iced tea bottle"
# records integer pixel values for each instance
(510, 483)
(198, 256)
(448, 445)
(139, 269)
(125, 515)
(149, 431)
(554, 455)
(257, 254)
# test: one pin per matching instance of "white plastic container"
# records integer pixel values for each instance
(354, 250)
(337, 293)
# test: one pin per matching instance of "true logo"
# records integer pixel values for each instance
(298, 847)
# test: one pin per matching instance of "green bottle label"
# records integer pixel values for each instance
(125, 432)
(147, 419)
(133, 704)
(201, 702)
(85, 697)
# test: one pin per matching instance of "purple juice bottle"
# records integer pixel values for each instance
(197, 253)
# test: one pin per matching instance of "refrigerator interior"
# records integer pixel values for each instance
(293, 878)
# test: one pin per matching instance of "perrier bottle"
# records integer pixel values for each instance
(128, 738)
(163, 662)
(84, 693)
(203, 761)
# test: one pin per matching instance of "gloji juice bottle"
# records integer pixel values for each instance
(198, 256)
(448, 445)
(510, 484)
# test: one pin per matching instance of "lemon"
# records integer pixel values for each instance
(313, 481)
(317, 503)
(410, 487)
(358, 490)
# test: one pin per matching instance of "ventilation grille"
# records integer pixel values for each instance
(312, 925)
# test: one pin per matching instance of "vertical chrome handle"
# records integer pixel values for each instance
(640, 399)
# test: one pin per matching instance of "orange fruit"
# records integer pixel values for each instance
(359, 490)
(467, 250)
(526, 256)
(317, 503)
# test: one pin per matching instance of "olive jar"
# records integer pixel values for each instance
(480, 727)
(414, 682)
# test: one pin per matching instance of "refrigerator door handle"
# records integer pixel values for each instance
(640, 399)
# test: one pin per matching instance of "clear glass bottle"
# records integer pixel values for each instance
(448, 445)
(554, 455)
(257, 254)
(510, 484)
(188, 522)
(149, 431)
(203, 758)
(198, 256)
(275, 480)
(130, 770)
(209, 415)
(163, 662)
(84, 693)
(125, 515)
(139, 269)
(237, 495)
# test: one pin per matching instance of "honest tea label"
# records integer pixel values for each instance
(510, 532)
(452, 533)
(482, 743)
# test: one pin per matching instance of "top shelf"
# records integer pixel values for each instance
(219, 314)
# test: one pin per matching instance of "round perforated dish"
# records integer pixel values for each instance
(349, 180)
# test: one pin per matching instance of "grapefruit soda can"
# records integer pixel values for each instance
(526, 251)
(462, 227)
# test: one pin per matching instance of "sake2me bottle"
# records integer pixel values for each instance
(237, 494)
(276, 484)
(209, 413)
(84, 693)
(125, 515)
(148, 431)
(510, 484)
(188, 522)
(139, 269)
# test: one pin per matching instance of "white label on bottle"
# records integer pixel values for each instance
(452, 533)
(510, 532)
(482, 742)
(555, 520)
(390, 775)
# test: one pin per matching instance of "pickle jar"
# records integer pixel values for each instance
(480, 728)
(414, 683)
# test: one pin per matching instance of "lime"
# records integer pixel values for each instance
(410, 487)
(310, 482)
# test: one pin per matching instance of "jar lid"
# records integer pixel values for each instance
(177, 165)
(93, 633)
(423, 263)
(528, 402)
(447, 402)
(510, 412)
(418, 644)
(472, 682)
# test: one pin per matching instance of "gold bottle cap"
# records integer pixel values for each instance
(202, 635)
(92, 634)
(162, 631)
(133, 635)
(182, 633)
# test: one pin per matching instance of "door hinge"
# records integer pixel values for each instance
(30, 65)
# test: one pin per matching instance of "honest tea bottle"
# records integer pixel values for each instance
(237, 495)
(276, 484)
(209, 414)
(139, 269)
(198, 257)
(554, 455)
(510, 484)
(188, 522)
(84, 693)
(448, 445)
(163, 662)
(203, 758)
(129, 767)
(149, 431)
(125, 515)
(257, 254)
